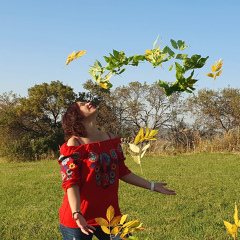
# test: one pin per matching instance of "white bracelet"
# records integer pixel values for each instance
(152, 187)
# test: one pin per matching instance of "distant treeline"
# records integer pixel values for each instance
(30, 127)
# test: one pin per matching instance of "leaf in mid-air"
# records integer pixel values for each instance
(134, 148)
(136, 159)
(110, 213)
(101, 221)
(232, 229)
(74, 55)
(210, 75)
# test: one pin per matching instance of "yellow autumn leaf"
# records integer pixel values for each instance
(131, 224)
(123, 219)
(102, 221)
(103, 85)
(217, 66)
(136, 159)
(110, 213)
(151, 139)
(218, 73)
(147, 52)
(152, 133)
(105, 229)
(146, 131)
(236, 214)
(146, 147)
(143, 154)
(232, 229)
(115, 221)
(140, 136)
(210, 75)
(124, 233)
(115, 230)
(137, 139)
(74, 55)
(134, 148)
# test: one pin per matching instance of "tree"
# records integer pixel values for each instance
(41, 111)
(31, 126)
(141, 105)
(217, 110)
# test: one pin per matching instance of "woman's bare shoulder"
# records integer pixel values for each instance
(111, 135)
(73, 142)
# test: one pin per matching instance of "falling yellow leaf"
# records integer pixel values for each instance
(123, 219)
(232, 229)
(153, 133)
(218, 73)
(105, 229)
(134, 148)
(103, 85)
(110, 213)
(74, 55)
(210, 75)
(131, 224)
(217, 66)
(236, 215)
(140, 136)
(147, 132)
(115, 221)
(216, 69)
(102, 221)
(146, 147)
(116, 230)
(136, 159)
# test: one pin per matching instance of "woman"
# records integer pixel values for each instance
(92, 163)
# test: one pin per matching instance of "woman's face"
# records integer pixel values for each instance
(87, 109)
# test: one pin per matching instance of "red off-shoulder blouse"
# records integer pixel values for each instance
(96, 168)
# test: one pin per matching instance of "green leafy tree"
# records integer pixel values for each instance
(217, 110)
(32, 125)
(41, 111)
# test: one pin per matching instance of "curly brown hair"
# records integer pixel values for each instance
(72, 122)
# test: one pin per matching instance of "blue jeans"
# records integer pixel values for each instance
(76, 234)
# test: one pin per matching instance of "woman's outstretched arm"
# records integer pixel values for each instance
(134, 179)
(74, 202)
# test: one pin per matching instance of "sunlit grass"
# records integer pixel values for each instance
(206, 186)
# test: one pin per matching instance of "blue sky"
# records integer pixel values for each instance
(37, 36)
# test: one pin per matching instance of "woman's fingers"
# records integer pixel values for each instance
(159, 187)
(86, 229)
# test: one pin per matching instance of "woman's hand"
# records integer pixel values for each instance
(83, 225)
(159, 187)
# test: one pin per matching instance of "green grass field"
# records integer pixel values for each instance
(207, 187)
